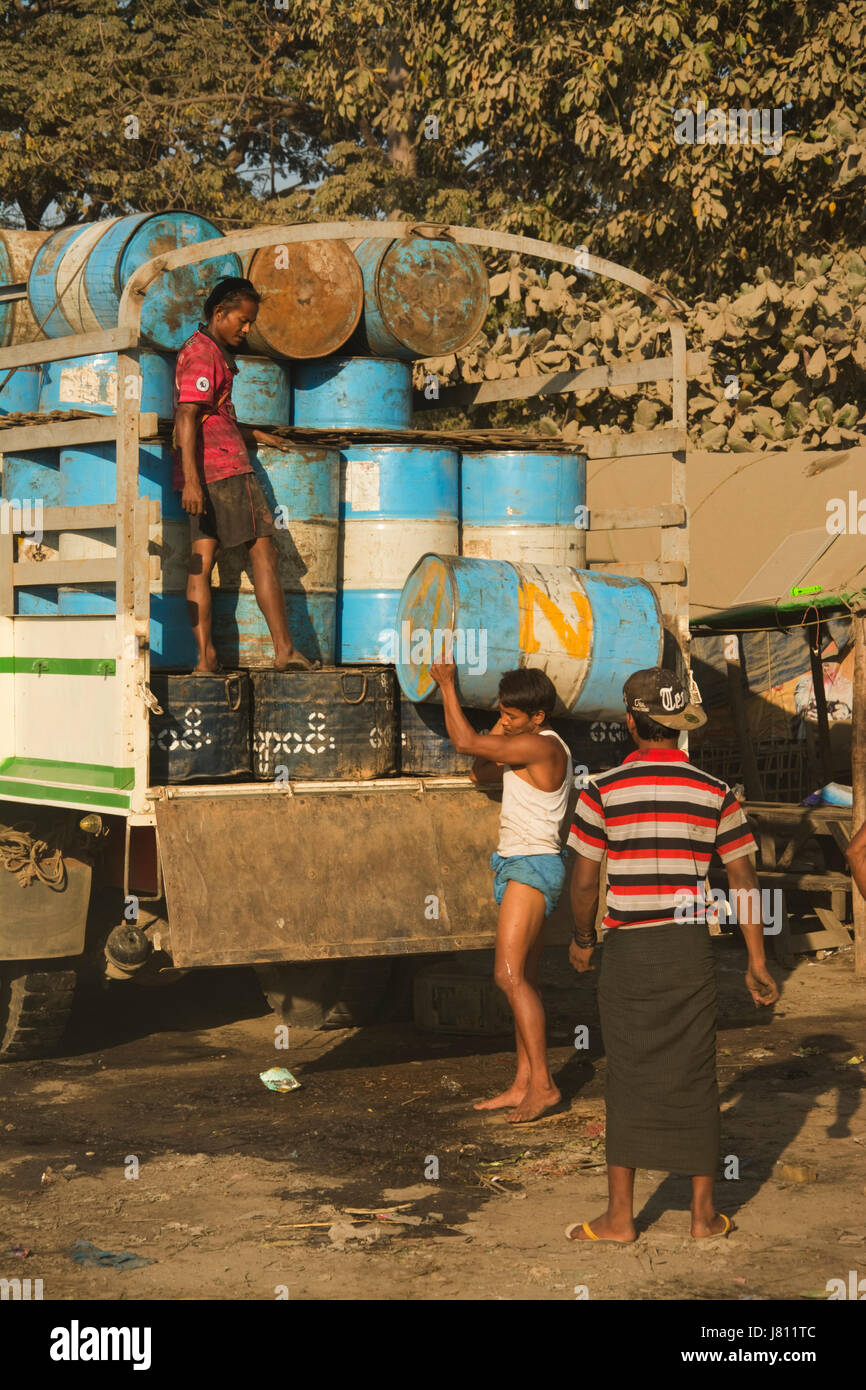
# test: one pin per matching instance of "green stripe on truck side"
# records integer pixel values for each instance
(48, 770)
(30, 791)
(58, 666)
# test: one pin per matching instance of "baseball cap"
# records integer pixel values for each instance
(661, 694)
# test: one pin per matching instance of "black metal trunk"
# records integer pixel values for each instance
(204, 728)
(332, 725)
(425, 748)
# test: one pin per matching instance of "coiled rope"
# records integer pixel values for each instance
(30, 858)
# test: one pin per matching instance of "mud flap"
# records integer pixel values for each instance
(43, 923)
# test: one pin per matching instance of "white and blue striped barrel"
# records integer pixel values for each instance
(396, 503)
(588, 631)
(88, 478)
(423, 296)
(523, 506)
(302, 488)
(353, 393)
(90, 384)
(19, 389)
(78, 275)
(31, 482)
(261, 392)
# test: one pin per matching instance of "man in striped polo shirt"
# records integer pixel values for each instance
(659, 819)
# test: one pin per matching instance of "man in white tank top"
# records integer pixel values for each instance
(533, 766)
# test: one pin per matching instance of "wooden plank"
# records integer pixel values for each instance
(90, 518)
(650, 570)
(561, 382)
(608, 446)
(66, 434)
(804, 941)
(841, 834)
(832, 926)
(78, 345)
(52, 572)
(633, 518)
(806, 883)
(7, 556)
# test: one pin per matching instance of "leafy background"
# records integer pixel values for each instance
(553, 121)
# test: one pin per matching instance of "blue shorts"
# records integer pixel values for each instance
(546, 872)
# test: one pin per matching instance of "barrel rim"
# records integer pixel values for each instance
(482, 308)
(246, 269)
(447, 565)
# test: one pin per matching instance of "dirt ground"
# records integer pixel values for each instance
(242, 1193)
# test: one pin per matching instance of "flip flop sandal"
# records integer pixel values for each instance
(590, 1234)
(301, 666)
(720, 1235)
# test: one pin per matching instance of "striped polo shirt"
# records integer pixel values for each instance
(659, 819)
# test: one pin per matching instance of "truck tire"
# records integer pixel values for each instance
(35, 1003)
(326, 993)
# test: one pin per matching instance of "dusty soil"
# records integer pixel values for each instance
(229, 1171)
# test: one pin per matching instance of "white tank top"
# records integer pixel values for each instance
(531, 819)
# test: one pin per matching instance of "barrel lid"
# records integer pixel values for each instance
(432, 293)
(174, 303)
(428, 602)
(312, 297)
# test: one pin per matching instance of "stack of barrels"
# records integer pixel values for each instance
(376, 541)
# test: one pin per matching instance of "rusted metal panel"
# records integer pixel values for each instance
(312, 296)
(373, 872)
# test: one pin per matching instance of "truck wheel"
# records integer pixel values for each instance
(325, 993)
(35, 1003)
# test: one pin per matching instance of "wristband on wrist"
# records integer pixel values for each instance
(585, 941)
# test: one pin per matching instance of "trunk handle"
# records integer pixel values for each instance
(347, 675)
(236, 705)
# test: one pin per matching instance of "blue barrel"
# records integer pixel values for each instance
(88, 478)
(32, 480)
(261, 392)
(353, 393)
(19, 390)
(523, 506)
(588, 631)
(78, 275)
(301, 486)
(423, 296)
(90, 384)
(394, 502)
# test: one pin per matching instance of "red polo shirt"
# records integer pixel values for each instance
(204, 376)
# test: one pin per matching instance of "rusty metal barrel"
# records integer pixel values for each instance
(78, 275)
(424, 296)
(312, 297)
(588, 631)
(17, 253)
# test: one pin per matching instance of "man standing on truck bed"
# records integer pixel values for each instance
(533, 766)
(213, 473)
(659, 819)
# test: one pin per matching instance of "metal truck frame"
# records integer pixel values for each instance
(251, 873)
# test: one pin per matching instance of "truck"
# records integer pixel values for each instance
(323, 887)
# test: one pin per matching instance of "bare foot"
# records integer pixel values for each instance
(534, 1103)
(209, 665)
(513, 1096)
(291, 660)
(716, 1225)
(605, 1228)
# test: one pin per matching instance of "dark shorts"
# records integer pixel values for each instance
(235, 512)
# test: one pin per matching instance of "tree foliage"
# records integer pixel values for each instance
(546, 119)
